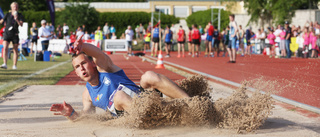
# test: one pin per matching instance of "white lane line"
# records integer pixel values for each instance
(279, 98)
(31, 75)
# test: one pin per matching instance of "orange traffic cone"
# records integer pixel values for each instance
(160, 61)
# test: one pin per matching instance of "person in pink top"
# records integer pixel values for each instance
(305, 42)
(283, 43)
(313, 40)
(271, 37)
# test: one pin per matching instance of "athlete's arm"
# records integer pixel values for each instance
(65, 110)
(102, 60)
(88, 107)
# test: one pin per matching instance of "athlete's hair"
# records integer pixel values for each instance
(81, 53)
(231, 15)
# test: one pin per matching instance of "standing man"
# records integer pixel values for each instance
(106, 30)
(288, 39)
(155, 38)
(98, 37)
(141, 29)
(44, 35)
(232, 39)
(248, 39)
(34, 37)
(196, 38)
(215, 42)
(129, 35)
(209, 41)
(168, 41)
(65, 30)
(13, 20)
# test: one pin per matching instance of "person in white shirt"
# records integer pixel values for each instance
(86, 36)
(261, 37)
(129, 34)
(277, 34)
(79, 33)
(44, 35)
(65, 29)
(106, 30)
(114, 36)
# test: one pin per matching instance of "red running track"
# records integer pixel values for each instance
(296, 78)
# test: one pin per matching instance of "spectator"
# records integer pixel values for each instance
(98, 37)
(129, 35)
(51, 28)
(271, 37)
(155, 38)
(44, 35)
(13, 20)
(141, 30)
(216, 42)
(313, 40)
(149, 29)
(73, 36)
(112, 29)
(201, 30)
(306, 42)
(277, 34)
(283, 43)
(147, 39)
(181, 40)
(209, 40)
(288, 39)
(123, 36)
(92, 35)
(86, 36)
(248, 40)
(196, 38)
(137, 31)
(84, 28)
(226, 40)
(261, 39)
(232, 39)
(65, 30)
(300, 42)
(79, 32)
(241, 38)
(114, 36)
(190, 41)
(168, 40)
(34, 37)
(106, 30)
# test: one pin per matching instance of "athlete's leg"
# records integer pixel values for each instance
(153, 80)
(122, 101)
(5, 52)
(15, 54)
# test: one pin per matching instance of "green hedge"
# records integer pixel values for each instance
(119, 19)
(203, 17)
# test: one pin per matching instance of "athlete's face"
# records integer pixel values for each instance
(84, 68)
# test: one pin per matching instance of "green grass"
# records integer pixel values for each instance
(29, 67)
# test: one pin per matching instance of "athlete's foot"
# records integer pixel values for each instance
(4, 66)
(189, 53)
(178, 56)
(14, 67)
(183, 56)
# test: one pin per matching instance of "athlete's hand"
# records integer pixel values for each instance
(62, 109)
(77, 45)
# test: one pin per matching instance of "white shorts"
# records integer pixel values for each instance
(123, 88)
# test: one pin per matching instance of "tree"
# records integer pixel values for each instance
(78, 14)
(25, 5)
(275, 11)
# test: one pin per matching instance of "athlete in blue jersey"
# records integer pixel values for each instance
(168, 40)
(155, 36)
(108, 87)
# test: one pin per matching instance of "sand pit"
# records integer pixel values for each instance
(25, 113)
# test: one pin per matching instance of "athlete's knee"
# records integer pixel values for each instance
(149, 78)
